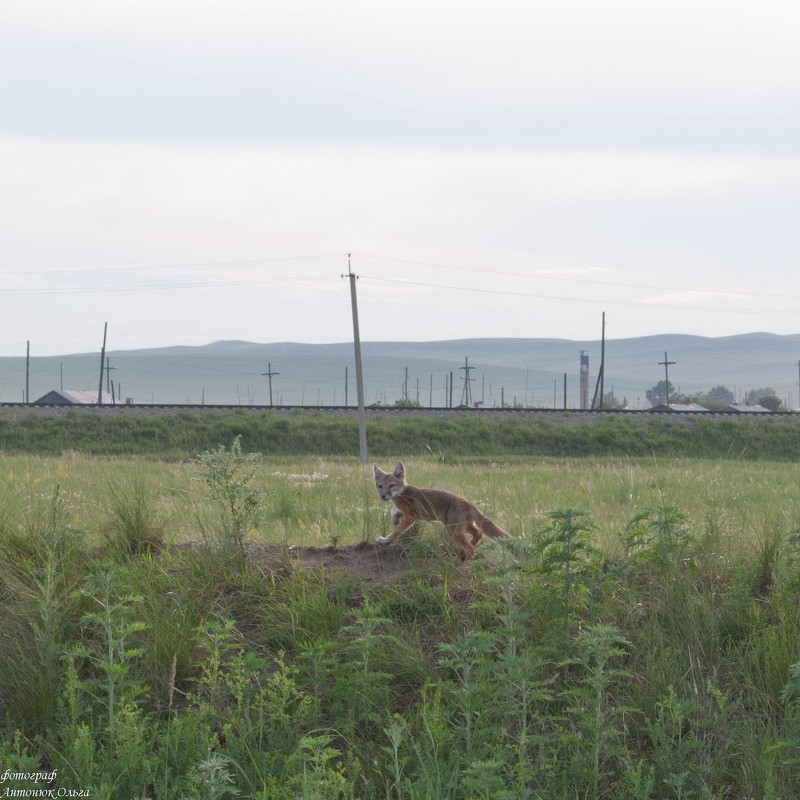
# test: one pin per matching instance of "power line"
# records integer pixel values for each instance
(539, 296)
(181, 265)
(550, 277)
(162, 287)
(541, 275)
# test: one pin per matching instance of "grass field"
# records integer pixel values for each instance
(639, 637)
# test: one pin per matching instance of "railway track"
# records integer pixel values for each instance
(378, 411)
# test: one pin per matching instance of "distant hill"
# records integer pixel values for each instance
(525, 371)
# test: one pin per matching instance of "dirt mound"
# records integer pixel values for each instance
(369, 561)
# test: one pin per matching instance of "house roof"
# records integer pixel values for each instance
(78, 397)
(680, 407)
(746, 409)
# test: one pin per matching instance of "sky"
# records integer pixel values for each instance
(189, 171)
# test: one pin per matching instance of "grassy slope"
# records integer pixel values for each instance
(594, 659)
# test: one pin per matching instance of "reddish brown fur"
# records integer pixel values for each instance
(462, 520)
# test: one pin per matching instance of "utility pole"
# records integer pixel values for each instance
(362, 421)
(599, 384)
(102, 366)
(269, 373)
(108, 374)
(28, 372)
(666, 364)
(466, 393)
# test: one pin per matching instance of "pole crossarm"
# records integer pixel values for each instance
(666, 363)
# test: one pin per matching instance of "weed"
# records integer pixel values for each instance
(132, 522)
(565, 549)
(229, 475)
(659, 535)
(111, 657)
(595, 739)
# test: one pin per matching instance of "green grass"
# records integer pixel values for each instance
(639, 637)
(453, 435)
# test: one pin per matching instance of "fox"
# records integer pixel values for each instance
(463, 521)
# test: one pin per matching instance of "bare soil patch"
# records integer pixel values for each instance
(371, 562)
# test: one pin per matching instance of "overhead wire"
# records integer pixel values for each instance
(539, 296)
(562, 278)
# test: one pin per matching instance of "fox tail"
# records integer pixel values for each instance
(492, 530)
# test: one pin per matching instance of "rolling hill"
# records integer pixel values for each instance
(523, 371)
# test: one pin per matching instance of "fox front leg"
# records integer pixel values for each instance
(401, 524)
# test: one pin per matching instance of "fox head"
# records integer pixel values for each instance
(390, 484)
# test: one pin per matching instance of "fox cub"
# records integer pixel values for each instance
(461, 519)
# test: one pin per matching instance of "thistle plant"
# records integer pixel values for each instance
(112, 620)
(565, 551)
(591, 701)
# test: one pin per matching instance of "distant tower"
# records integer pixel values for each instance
(584, 380)
(466, 394)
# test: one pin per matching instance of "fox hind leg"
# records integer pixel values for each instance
(477, 534)
(461, 539)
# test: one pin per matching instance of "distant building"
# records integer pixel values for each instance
(743, 408)
(679, 407)
(62, 397)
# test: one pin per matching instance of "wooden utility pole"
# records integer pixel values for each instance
(362, 420)
(666, 364)
(269, 373)
(599, 384)
(108, 374)
(102, 366)
(28, 372)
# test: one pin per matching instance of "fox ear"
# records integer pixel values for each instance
(400, 469)
(376, 470)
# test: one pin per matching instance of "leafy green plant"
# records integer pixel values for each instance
(676, 745)
(565, 553)
(467, 657)
(229, 475)
(111, 658)
(660, 535)
(595, 737)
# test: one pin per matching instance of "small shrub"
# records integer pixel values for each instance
(229, 474)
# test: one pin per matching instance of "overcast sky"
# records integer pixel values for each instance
(189, 171)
